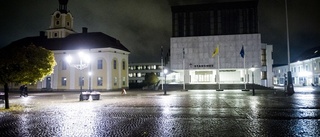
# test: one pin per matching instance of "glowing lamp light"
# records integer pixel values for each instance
(165, 71)
(253, 69)
(69, 59)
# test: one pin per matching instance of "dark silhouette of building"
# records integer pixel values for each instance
(215, 19)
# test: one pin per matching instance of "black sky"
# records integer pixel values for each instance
(143, 26)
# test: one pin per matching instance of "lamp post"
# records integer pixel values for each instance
(289, 89)
(253, 69)
(165, 71)
(83, 63)
(90, 73)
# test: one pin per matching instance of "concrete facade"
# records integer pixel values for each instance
(198, 65)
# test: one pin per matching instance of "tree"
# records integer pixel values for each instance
(150, 79)
(24, 64)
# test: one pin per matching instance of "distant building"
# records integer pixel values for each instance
(137, 71)
(108, 64)
(305, 70)
(207, 40)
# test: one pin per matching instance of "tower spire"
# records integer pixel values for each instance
(63, 8)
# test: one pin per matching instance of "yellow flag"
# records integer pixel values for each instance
(215, 52)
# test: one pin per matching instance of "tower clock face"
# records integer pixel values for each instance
(57, 15)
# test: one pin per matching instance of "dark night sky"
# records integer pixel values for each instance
(143, 26)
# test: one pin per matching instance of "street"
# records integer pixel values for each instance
(150, 113)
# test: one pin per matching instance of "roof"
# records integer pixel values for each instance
(279, 65)
(74, 41)
(309, 54)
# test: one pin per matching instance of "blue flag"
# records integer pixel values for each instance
(242, 52)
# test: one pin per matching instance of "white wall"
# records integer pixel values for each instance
(198, 51)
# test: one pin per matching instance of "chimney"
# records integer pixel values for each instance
(84, 30)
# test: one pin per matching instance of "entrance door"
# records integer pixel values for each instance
(203, 76)
(48, 83)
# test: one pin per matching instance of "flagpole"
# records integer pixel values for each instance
(219, 68)
(242, 54)
(216, 51)
(162, 67)
(245, 71)
(184, 79)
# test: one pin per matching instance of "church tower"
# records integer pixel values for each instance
(61, 22)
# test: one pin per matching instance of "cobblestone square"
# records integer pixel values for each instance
(150, 113)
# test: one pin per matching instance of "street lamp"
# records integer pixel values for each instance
(90, 73)
(289, 89)
(253, 69)
(165, 71)
(84, 63)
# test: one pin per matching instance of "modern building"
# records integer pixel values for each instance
(207, 40)
(99, 61)
(305, 70)
(137, 71)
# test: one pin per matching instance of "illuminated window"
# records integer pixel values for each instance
(99, 81)
(139, 75)
(123, 81)
(115, 81)
(63, 81)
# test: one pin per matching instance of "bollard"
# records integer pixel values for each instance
(123, 91)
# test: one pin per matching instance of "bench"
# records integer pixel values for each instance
(95, 95)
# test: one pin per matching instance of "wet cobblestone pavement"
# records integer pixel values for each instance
(141, 113)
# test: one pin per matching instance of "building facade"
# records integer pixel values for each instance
(137, 71)
(207, 41)
(305, 71)
(102, 64)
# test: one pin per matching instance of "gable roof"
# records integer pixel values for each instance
(74, 41)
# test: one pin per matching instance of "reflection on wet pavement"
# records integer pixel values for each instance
(192, 113)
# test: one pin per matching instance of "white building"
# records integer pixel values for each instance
(198, 65)
(198, 30)
(108, 59)
(305, 71)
